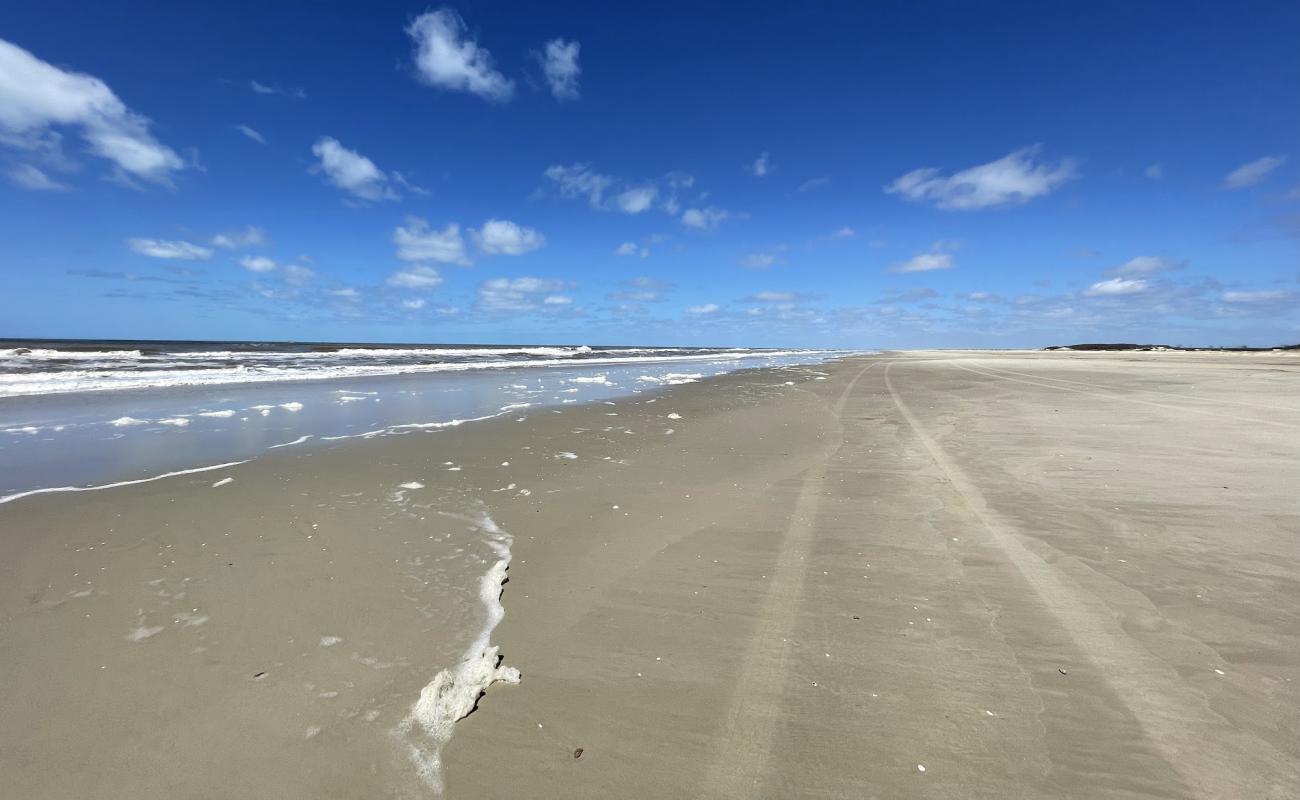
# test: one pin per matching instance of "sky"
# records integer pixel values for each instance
(863, 175)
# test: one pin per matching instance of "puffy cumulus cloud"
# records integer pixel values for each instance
(1253, 172)
(420, 276)
(414, 303)
(257, 264)
(636, 200)
(173, 249)
(29, 177)
(1015, 179)
(518, 294)
(704, 219)
(251, 133)
(557, 300)
(937, 257)
(761, 165)
(560, 65)
(844, 233)
(631, 249)
(1145, 265)
(346, 293)
(703, 310)
(503, 237)
(351, 171)
(447, 58)
(36, 97)
(248, 237)
(1115, 287)
(416, 241)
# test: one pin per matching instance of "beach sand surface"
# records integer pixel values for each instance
(925, 574)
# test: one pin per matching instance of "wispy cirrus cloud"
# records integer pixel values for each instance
(29, 177)
(294, 92)
(561, 68)
(173, 249)
(447, 58)
(1014, 179)
(251, 133)
(1252, 172)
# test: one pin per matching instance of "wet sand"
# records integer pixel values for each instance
(923, 574)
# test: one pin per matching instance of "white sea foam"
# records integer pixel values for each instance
(603, 380)
(454, 692)
(299, 440)
(122, 422)
(176, 422)
(672, 378)
(27, 429)
(56, 489)
(321, 366)
(224, 413)
(223, 482)
(567, 455)
(411, 485)
(295, 406)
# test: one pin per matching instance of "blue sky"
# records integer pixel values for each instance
(839, 174)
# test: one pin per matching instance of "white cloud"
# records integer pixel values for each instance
(704, 219)
(630, 249)
(560, 63)
(502, 237)
(1015, 178)
(557, 300)
(761, 165)
(416, 241)
(933, 259)
(1155, 172)
(257, 263)
(1253, 172)
(516, 294)
(36, 97)
(414, 303)
(250, 133)
(1116, 286)
(814, 183)
(298, 275)
(29, 177)
(579, 180)
(346, 293)
(707, 308)
(446, 58)
(1261, 296)
(773, 297)
(636, 200)
(159, 248)
(248, 237)
(295, 92)
(420, 276)
(1144, 265)
(758, 261)
(844, 233)
(351, 171)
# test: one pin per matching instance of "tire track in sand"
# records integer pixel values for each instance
(1210, 755)
(740, 761)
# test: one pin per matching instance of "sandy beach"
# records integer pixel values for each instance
(924, 574)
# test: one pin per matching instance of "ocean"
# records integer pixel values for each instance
(79, 413)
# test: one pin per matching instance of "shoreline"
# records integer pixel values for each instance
(770, 582)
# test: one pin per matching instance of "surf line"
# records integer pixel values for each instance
(453, 694)
(51, 490)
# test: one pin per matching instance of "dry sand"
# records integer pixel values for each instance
(924, 574)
